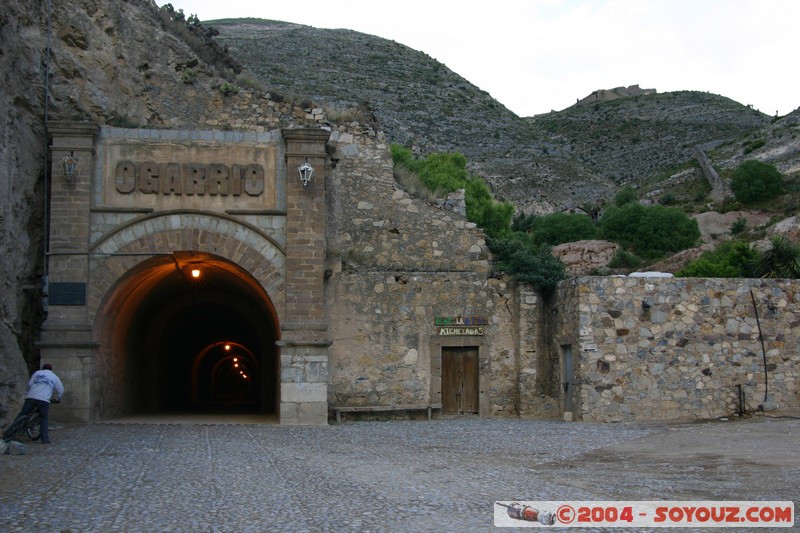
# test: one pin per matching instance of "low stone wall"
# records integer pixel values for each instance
(677, 348)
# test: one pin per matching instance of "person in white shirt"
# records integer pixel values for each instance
(43, 387)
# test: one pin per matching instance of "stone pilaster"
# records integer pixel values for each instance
(304, 344)
(66, 339)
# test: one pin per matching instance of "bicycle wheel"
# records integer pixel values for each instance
(18, 426)
(34, 429)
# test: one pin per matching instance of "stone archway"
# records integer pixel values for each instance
(161, 335)
(152, 317)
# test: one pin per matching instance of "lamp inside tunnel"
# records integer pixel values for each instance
(226, 374)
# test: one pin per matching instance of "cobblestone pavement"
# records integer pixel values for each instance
(442, 475)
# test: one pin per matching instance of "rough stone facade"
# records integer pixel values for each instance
(669, 348)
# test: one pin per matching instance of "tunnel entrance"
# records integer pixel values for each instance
(187, 332)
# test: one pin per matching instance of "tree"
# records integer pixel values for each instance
(650, 232)
(558, 228)
(754, 181)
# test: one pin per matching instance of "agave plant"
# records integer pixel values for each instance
(782, 260)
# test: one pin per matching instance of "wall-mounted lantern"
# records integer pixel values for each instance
(645, 306)
(68, 165)
(306, 171)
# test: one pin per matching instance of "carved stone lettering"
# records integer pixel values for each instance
(125, 177)
(237, 173)
(218, 181)
(148, 178)
(171, 181)
(194, 179)
(215, 179)
(254, 180)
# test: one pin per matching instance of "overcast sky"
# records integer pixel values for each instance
(535, 56)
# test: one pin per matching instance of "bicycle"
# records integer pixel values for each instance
(29, 424)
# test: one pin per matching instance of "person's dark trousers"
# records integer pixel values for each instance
(44, 423)
(28, 407)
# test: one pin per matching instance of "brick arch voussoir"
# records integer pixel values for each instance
(259, 256)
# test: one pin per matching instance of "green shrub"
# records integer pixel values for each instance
(754, 181)
(649, 232)
(402, 156)
(522, 222)
(559, 228)
(755, 145)
(626, 196)
(738, 227)
(623, 259)
(189, 76)
(228, 89)
(493, 217)
(781, 260)
(667, 199)
(527, 262)
(411, 183)
(447, 172)
(729, 260)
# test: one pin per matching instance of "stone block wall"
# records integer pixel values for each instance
(384, 347)
(394, 264)
(304, 377)
(676, 348)
(536, 397)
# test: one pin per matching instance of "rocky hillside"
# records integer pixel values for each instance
(628, 139)
(416, 100)
(541, 164)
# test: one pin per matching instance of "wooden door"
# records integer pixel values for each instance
(459, 380)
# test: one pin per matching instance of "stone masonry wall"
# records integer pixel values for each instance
(384, 342)
(684, 355)
(394, 264)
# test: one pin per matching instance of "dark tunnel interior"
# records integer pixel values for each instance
(189, 333)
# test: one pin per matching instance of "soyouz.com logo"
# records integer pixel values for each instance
(654, 513)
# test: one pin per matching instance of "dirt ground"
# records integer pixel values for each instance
(755, 458)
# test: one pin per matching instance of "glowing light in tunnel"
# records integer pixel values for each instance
(195, 273)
